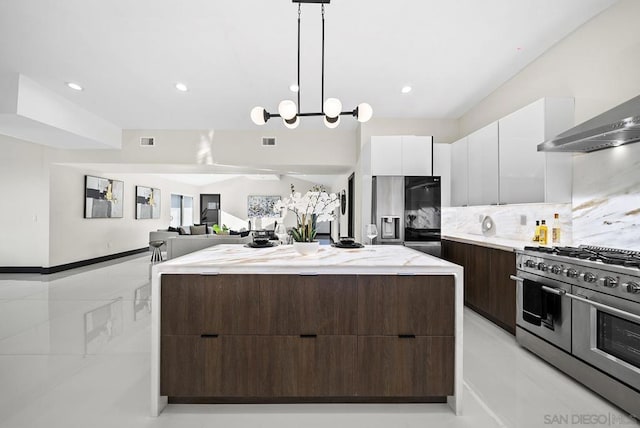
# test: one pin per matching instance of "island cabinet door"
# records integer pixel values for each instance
(503, 289)
(419, 305)
(478, 290)
(181, 304)
(405, 367)
(457, 252)
(307, 366)
(298, 304)
(230, 366)
(182, 366)
(231, 304)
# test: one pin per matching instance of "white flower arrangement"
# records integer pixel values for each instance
(314, 206)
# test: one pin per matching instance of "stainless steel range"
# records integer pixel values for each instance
(579, 309)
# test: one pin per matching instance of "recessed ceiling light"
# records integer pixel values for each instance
(406, 89)
(181, 87)
(75, 86)
(294, 88)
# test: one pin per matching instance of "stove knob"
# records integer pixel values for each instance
(609, 282)
(543, 267)
(588, 277)
(632, 287)
(571, 273)
(556, 269)
(530, 263)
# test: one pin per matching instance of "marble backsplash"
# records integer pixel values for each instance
(606, 198)
(515, 222)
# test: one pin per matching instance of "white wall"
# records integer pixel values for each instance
(235, 192)
(597, 65)
(74, 238)
(324, 149)
(24, 206)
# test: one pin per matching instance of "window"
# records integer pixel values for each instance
(181, 210)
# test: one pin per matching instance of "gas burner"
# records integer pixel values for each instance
(610, 256)
(570, 252)
(547, 250)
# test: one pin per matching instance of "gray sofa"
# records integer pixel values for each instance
(177, 245)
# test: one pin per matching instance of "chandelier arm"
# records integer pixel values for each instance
(322, 93)
(299, 13)
(310, 114)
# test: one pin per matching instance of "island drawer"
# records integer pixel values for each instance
(258, 366)
(405, 367)
(421, 305)
(298, 304)
(201, 304)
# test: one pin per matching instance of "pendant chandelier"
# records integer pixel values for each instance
(331, 108)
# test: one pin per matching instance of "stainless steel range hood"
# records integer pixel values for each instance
(615, 127)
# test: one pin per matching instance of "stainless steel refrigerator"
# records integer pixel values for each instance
(406, 211)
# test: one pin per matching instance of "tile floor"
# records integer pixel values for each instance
(74, 352)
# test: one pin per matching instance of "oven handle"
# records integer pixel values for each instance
(561, 292)
(606, 308)
(556, 291)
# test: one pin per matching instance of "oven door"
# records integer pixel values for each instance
(560, 334)
(606, 334)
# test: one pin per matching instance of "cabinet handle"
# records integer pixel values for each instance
(208, 336)
(406, 336)
(308, 336)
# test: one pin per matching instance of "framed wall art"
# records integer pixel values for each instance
(147, 202)
(103, 197)
(261, 206)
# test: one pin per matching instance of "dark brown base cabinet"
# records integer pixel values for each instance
(488, 288)
(265, 338)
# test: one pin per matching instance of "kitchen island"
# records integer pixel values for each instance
(233, 324)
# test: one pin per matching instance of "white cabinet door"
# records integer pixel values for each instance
(522, 167)
(416, 155)
(442, 168)
(527, 175)
(483, 165)
(386, 155)
(459, 173)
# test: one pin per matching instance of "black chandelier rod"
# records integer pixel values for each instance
(322, 92)
(299, 13)
(343, 113)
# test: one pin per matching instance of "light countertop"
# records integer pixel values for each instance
(379, 259)
(487, 241)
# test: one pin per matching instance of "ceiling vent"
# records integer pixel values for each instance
(268, 141)
(147, 141)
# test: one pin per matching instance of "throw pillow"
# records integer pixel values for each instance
(185, 230)
(199, 230)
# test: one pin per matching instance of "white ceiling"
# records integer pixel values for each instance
(234, 55)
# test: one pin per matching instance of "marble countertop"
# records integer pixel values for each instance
(487, 241)
(380, 259)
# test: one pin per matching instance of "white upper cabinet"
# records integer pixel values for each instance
(442, 168)
(416, 155)
(459, 173)
(527, 175)
(483, 166)
(401, 155)
(386, 155)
